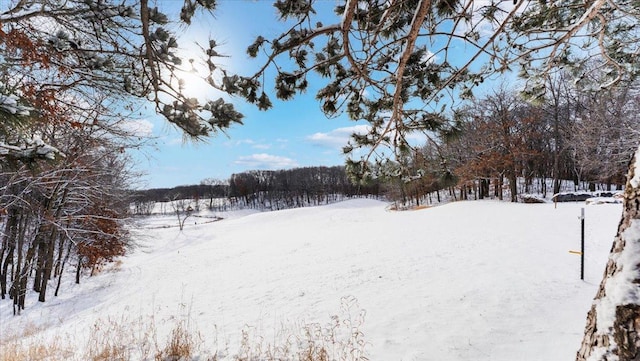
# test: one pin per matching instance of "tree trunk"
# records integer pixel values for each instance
(613, 323)
(78, 269)
(23, 277)
(4, 271)
(484, 188)
(475, 191)
(8, 247)
(57, 266)
(48, 265)
(41, 246)
(513, 185)
(64, 261)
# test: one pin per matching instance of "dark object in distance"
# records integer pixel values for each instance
(579, 197)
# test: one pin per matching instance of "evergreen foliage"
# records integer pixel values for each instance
(127, 50)
(392, 64)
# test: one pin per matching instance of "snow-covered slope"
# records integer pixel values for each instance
(477, 280)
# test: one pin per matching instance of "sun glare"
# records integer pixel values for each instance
(192, 83)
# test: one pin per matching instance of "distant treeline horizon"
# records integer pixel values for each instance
(304, 181)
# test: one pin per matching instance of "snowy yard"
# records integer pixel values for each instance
(476, 280)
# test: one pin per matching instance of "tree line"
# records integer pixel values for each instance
(506, 146)
(63, 213)
(263, 189)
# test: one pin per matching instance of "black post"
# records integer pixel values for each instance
(582, 243)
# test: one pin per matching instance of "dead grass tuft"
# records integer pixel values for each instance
(20, 351)
(110, 340)
(181, 345)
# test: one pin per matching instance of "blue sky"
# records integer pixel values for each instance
(292, 134)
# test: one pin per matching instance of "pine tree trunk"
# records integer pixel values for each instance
(613, 323)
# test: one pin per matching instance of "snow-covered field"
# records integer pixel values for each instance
(476, 280)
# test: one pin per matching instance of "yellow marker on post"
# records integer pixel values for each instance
(575, 252)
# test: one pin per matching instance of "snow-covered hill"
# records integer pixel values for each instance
(477, 280)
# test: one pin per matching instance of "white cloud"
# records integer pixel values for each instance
(239, 142)
(266, 161)
(337, 138)
(262, 146)
(416, 138)
(174, 141)
(137, 127)
(248, 142)
(485, 27)
(429, 57)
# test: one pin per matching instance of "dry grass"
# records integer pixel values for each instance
(341, 339)
(14, 347)
(122, 340)
(114, 340)
(399, 207)
(423, 206)
(17, 350)
(181, 345)
(108, 340)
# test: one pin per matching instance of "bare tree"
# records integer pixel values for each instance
(182, 208)
(605, 133)
(559, 108)
(216, 188)
(65, 209)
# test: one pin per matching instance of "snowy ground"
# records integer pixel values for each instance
(476, 280)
